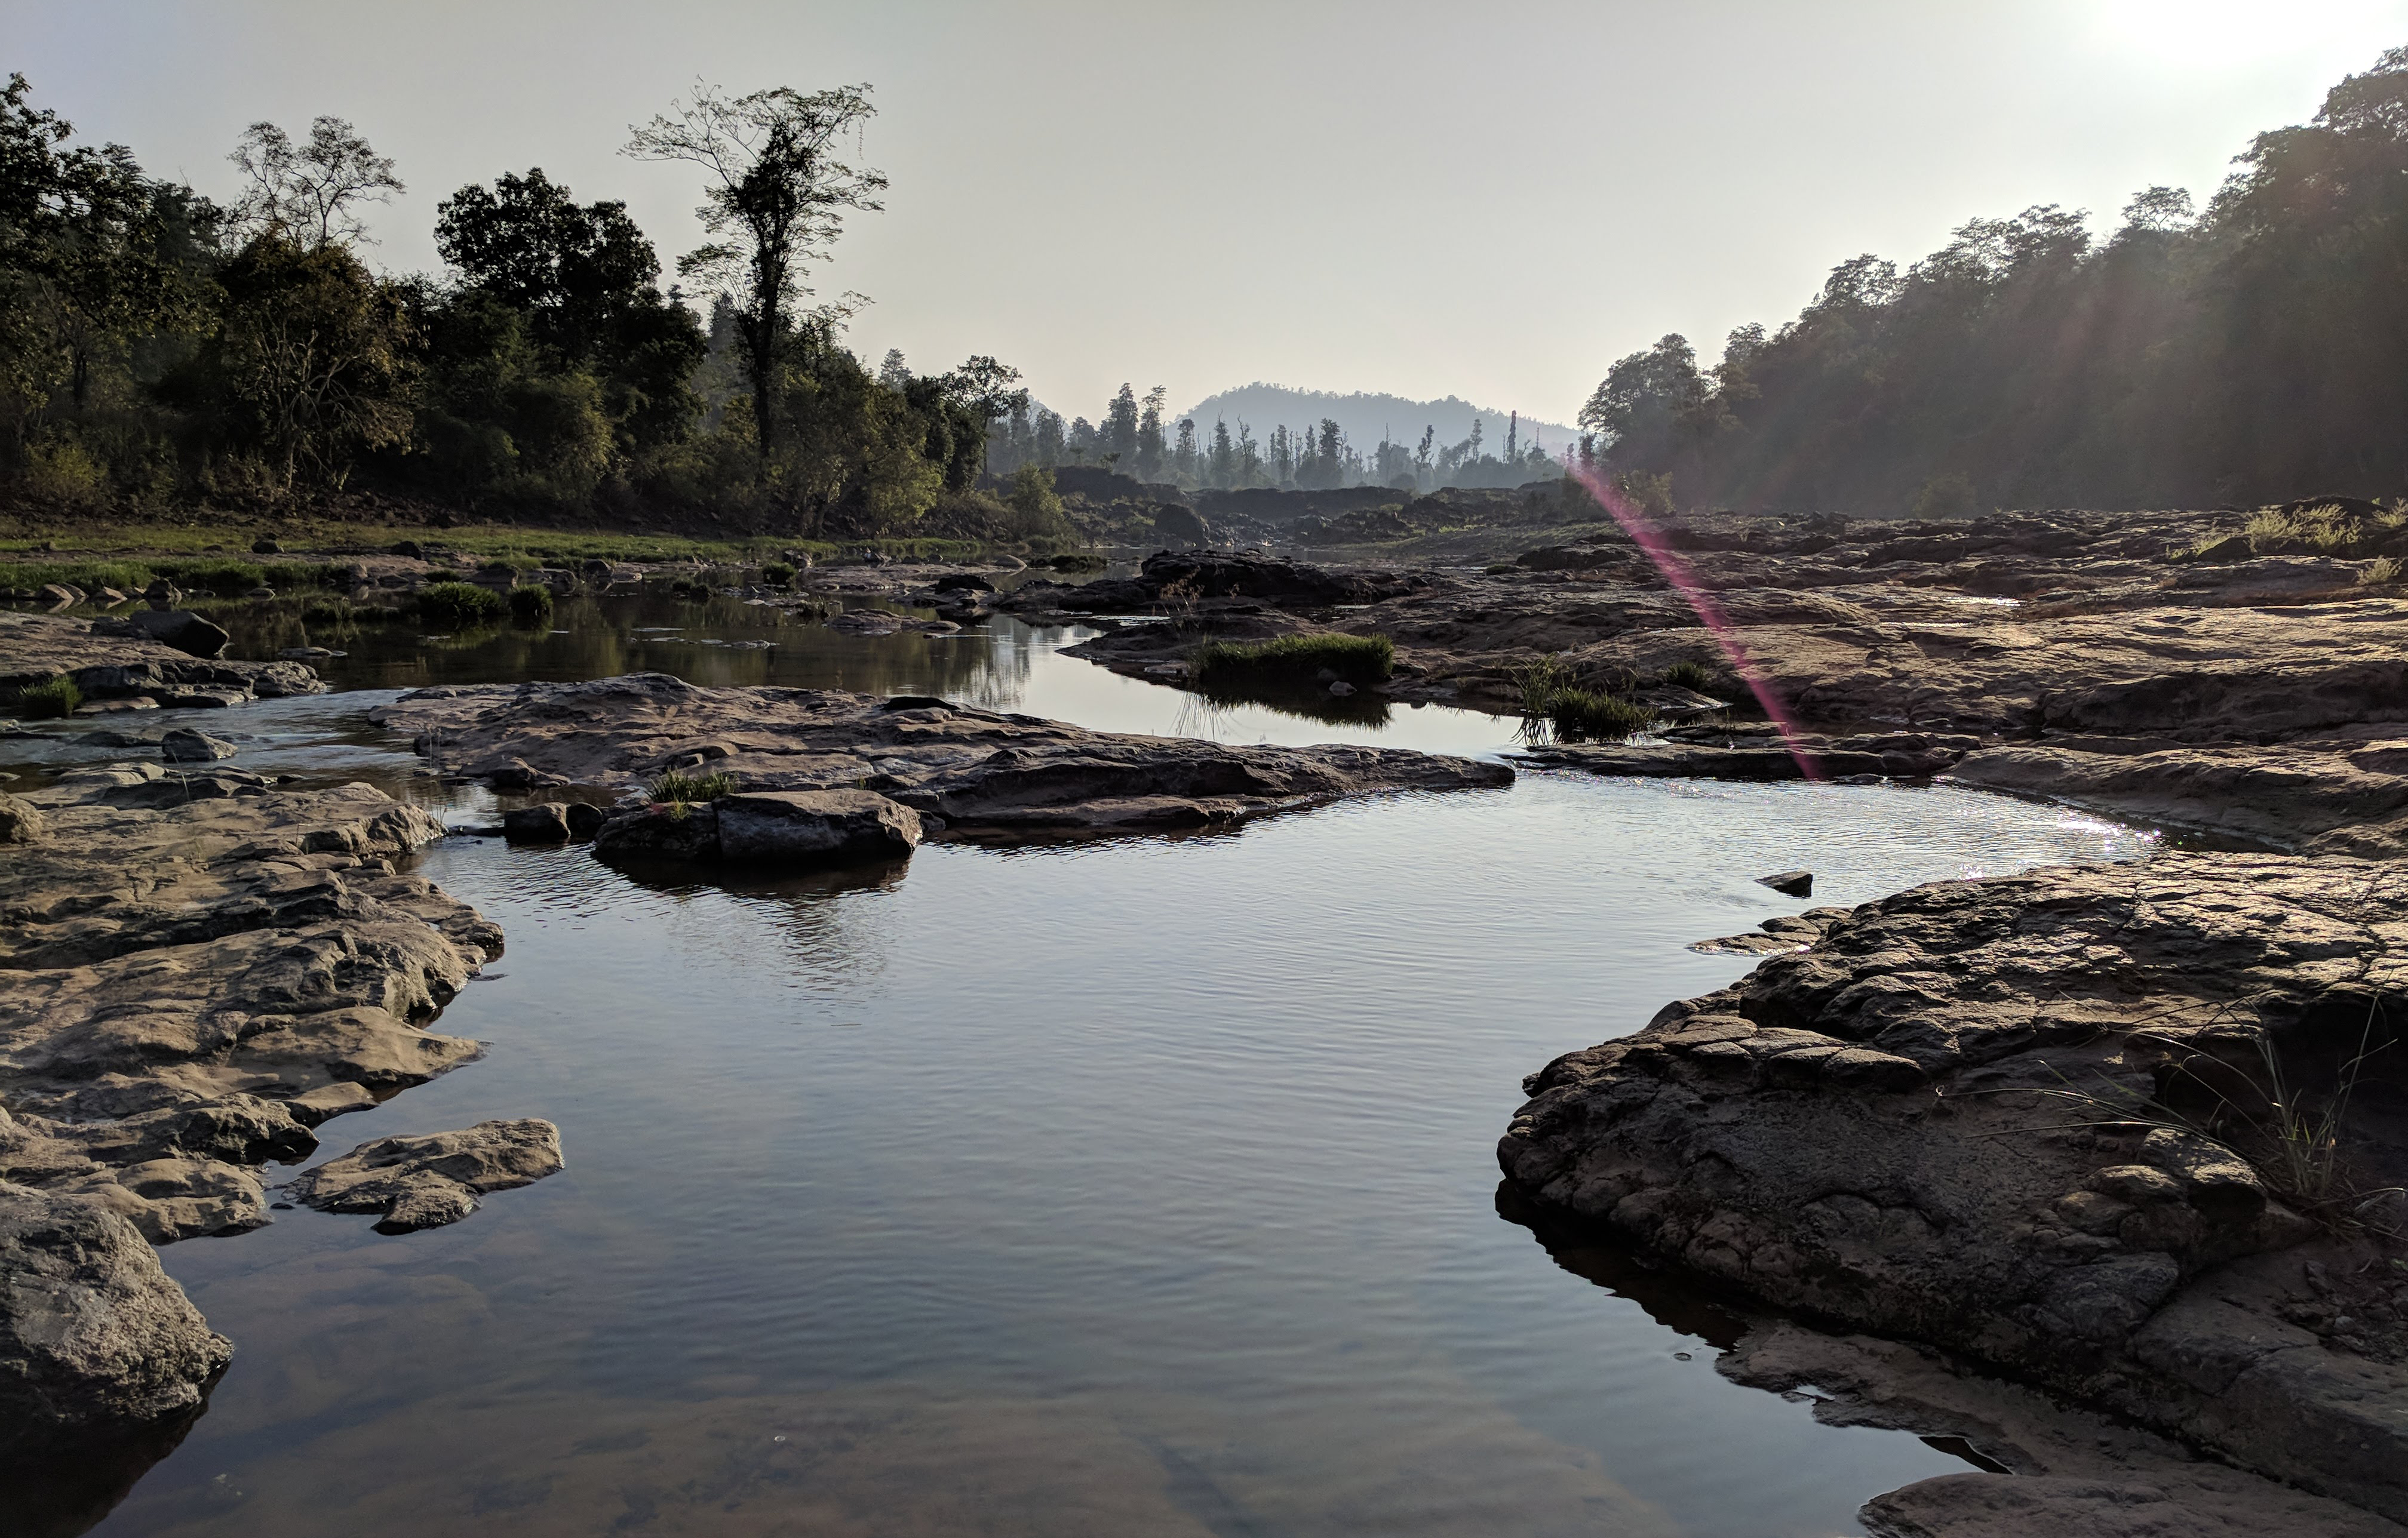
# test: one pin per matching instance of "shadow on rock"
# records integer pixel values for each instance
(1591, 1252)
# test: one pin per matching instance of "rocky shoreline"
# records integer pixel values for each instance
(2041, 1130)
(203, 968)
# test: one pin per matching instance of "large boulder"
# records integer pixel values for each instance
(807, 828)
(21, 820)
(185, 745)
(427, 1181)
(94, 1338)
(2035, 1121)
(182, 629)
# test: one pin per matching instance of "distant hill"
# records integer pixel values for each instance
(1363, 417)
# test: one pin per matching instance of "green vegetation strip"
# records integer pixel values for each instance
(1294, 659)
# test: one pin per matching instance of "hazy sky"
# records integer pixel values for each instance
(1491, 201)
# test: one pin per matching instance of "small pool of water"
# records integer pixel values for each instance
(1140, 1186)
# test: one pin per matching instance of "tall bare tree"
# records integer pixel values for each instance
(776, 193)
(316, 192)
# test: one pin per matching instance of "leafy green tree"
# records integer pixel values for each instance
(585, 278)
(988, 392)
(1150, 446)
(94, 255)
(313, 359)
(776, 193)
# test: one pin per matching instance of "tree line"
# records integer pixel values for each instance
(1133, 436)
(162, 351)
(2252, 353)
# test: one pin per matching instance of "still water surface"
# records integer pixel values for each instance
(1142, 1187)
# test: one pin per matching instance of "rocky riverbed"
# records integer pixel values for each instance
(963, 772)
(203, 968)
(2163, 668)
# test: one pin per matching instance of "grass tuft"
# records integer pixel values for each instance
(1292, 660)
(1579, 713)
(457, 604)
(675, 789)
(531, 605)
(52, 699)
(1695, 676)
(2382, 569)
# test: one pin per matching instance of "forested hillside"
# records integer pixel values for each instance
(2250, 352)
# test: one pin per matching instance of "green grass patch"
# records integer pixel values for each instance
(682, 790)
(531, 605)
(49, 700)
(1582, 714)
(778, 574)
(1698, 676)
(460, 605)
(1292, 660)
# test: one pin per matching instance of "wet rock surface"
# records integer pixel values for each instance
(197, 968)
(427, 1181)
(1936, 1124)
(980, 772)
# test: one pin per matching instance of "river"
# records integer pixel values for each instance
(1136, 1187)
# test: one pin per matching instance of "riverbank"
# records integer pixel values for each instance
(937, 758)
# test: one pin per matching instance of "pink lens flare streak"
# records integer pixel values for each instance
(1709, 614)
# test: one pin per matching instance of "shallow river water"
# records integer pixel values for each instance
(1139, 1187)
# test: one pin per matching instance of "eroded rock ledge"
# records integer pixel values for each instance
(196, 969)
(1878, 1132)
(967, 772)
(112, 663)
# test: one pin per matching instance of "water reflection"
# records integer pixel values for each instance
(1139, 1187)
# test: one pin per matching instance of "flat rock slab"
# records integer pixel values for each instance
(113, 661)
(197, 968)
(1935, 1125)
(427, 1181)
(979, 773)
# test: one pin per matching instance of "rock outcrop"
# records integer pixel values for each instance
(117, 660)
(794, 830)
(2029, 1120)
(967, 772)
(2150, 665)
(196, 969)
(425, 1182)
(94, 1338)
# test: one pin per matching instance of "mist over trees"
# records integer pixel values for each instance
(2251, 352)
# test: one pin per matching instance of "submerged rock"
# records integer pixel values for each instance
(427, 1181)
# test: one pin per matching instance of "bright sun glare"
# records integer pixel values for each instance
(2195, 34)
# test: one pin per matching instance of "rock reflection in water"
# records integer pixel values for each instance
(1136, 1187)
